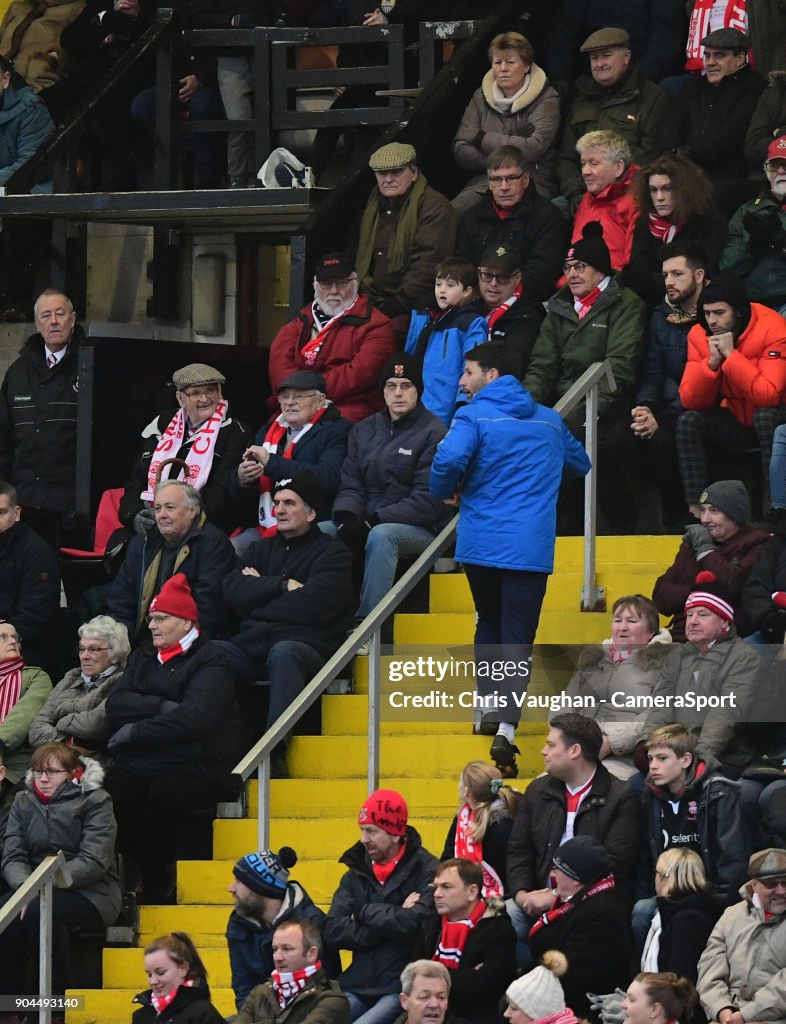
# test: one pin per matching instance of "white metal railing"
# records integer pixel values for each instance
(39, 883)
(369, 630)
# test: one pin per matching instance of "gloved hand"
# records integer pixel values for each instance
(764, 228)
(351, 529)
(144, 521)
(698, 537)
(609, 1006)
(121, 737)
(774, 625)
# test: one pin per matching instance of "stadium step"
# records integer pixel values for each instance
(315, 811)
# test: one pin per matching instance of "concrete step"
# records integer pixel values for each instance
(553, 628)
(206, 882)
(124, 968)
(114, 1006)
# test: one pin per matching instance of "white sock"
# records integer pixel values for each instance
(507, 730)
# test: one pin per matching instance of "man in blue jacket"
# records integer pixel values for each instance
(503, 458)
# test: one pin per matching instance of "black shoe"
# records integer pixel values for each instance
(486, 727)
(503, 754)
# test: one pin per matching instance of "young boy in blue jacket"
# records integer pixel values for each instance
(440, 339)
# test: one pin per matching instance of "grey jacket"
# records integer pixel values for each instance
(80, 821)
(74, 710)
(744, 964)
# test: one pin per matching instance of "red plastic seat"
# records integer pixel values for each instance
(107, 521)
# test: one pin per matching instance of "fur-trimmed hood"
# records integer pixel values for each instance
(650, 656)
(92, 778)
(537, 83)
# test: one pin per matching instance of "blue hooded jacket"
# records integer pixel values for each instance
(506, 454)
(24, 124)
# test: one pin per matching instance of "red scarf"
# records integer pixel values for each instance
(472, 849)
(663, 229)
(382, 872)
(503, 307)
(501, 211)
(160, 1003)
(560, 909)
(167, 653)
(10, 684)
(620, 654)
(453, 939)
(276, 431)
(310, 350)
(289, 984)
(583, 306)
(200, 455)
(733, 17)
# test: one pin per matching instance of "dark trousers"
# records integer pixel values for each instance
(628, 459)
(19, 942)
(161, 819)
(508, 603)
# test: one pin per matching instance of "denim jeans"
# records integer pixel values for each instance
(206, 148)
(641, 919)
(385, 544)
(236, 85)
(370, 1010)
(778, 468)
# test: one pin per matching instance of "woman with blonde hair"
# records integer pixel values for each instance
(481, 829)
(178, 984)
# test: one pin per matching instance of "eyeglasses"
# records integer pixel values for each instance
(156, 618)
(49, 772)
(339, 283)
(504, 179)
(399, 385)
(288, 396)
(207, 391)
(91, 650)
(9, 638)
(487, 277)
(773, 883)
(578, 267)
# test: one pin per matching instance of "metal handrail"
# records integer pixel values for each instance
(370, 628)
(41, 880)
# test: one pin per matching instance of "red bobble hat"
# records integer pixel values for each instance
(707, 594)
(175, 598)
(386, 809)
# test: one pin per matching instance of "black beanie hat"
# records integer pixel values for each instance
(583, 859)
(591, 248)
(305, 484)
(726, 288)
(402, 366)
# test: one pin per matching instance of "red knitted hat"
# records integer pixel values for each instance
(175, 598)
(386, 809)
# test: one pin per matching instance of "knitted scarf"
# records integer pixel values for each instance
(288, 984)
(503, 103)
(499, 311)
(200, 455)
(583, 306)
(566, 1016)
(620, 654)
(663, 229)
(166, 653)
(160, 1003)
(560, 909)
(453, 939)
(472, 849)
(276, 432)
(403, 236)
(10, 684)
(735, 16)
(382, 872)
(311, 349)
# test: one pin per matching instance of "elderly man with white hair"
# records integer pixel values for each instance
(607, 169)
(341, 336)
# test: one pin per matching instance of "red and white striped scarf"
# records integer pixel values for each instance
(663, 229)
(310, 350)
(160, 1003)
(453, 939)
(472, 849)
(735, 16)
(583, 306)
(288, 984)
(166, 653)
(200, 455)
(503, 307)
(267, 525)
(10, 684)
(560, 909)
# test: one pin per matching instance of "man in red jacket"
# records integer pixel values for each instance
(734, 382)
(340, 335)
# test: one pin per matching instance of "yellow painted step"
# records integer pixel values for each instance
(642, 551)
(114, 1006)
(207, 881)
(552, 664)
(123, 968)
(553, 628)
(342, 757)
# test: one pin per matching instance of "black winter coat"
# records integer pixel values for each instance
(595, 938)
(29, 590)
(200, 736)
(766, 577)
(233, 439)
(535, 229)
(319, 613)
(768, 121)
(487, 967)
(387, 468)
(369, 919)
(714, 121)
(321, 451)
(723, 833)
(519, 329)
(38, 426)
(686, 924)
(190, 1006)
(610, 813)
